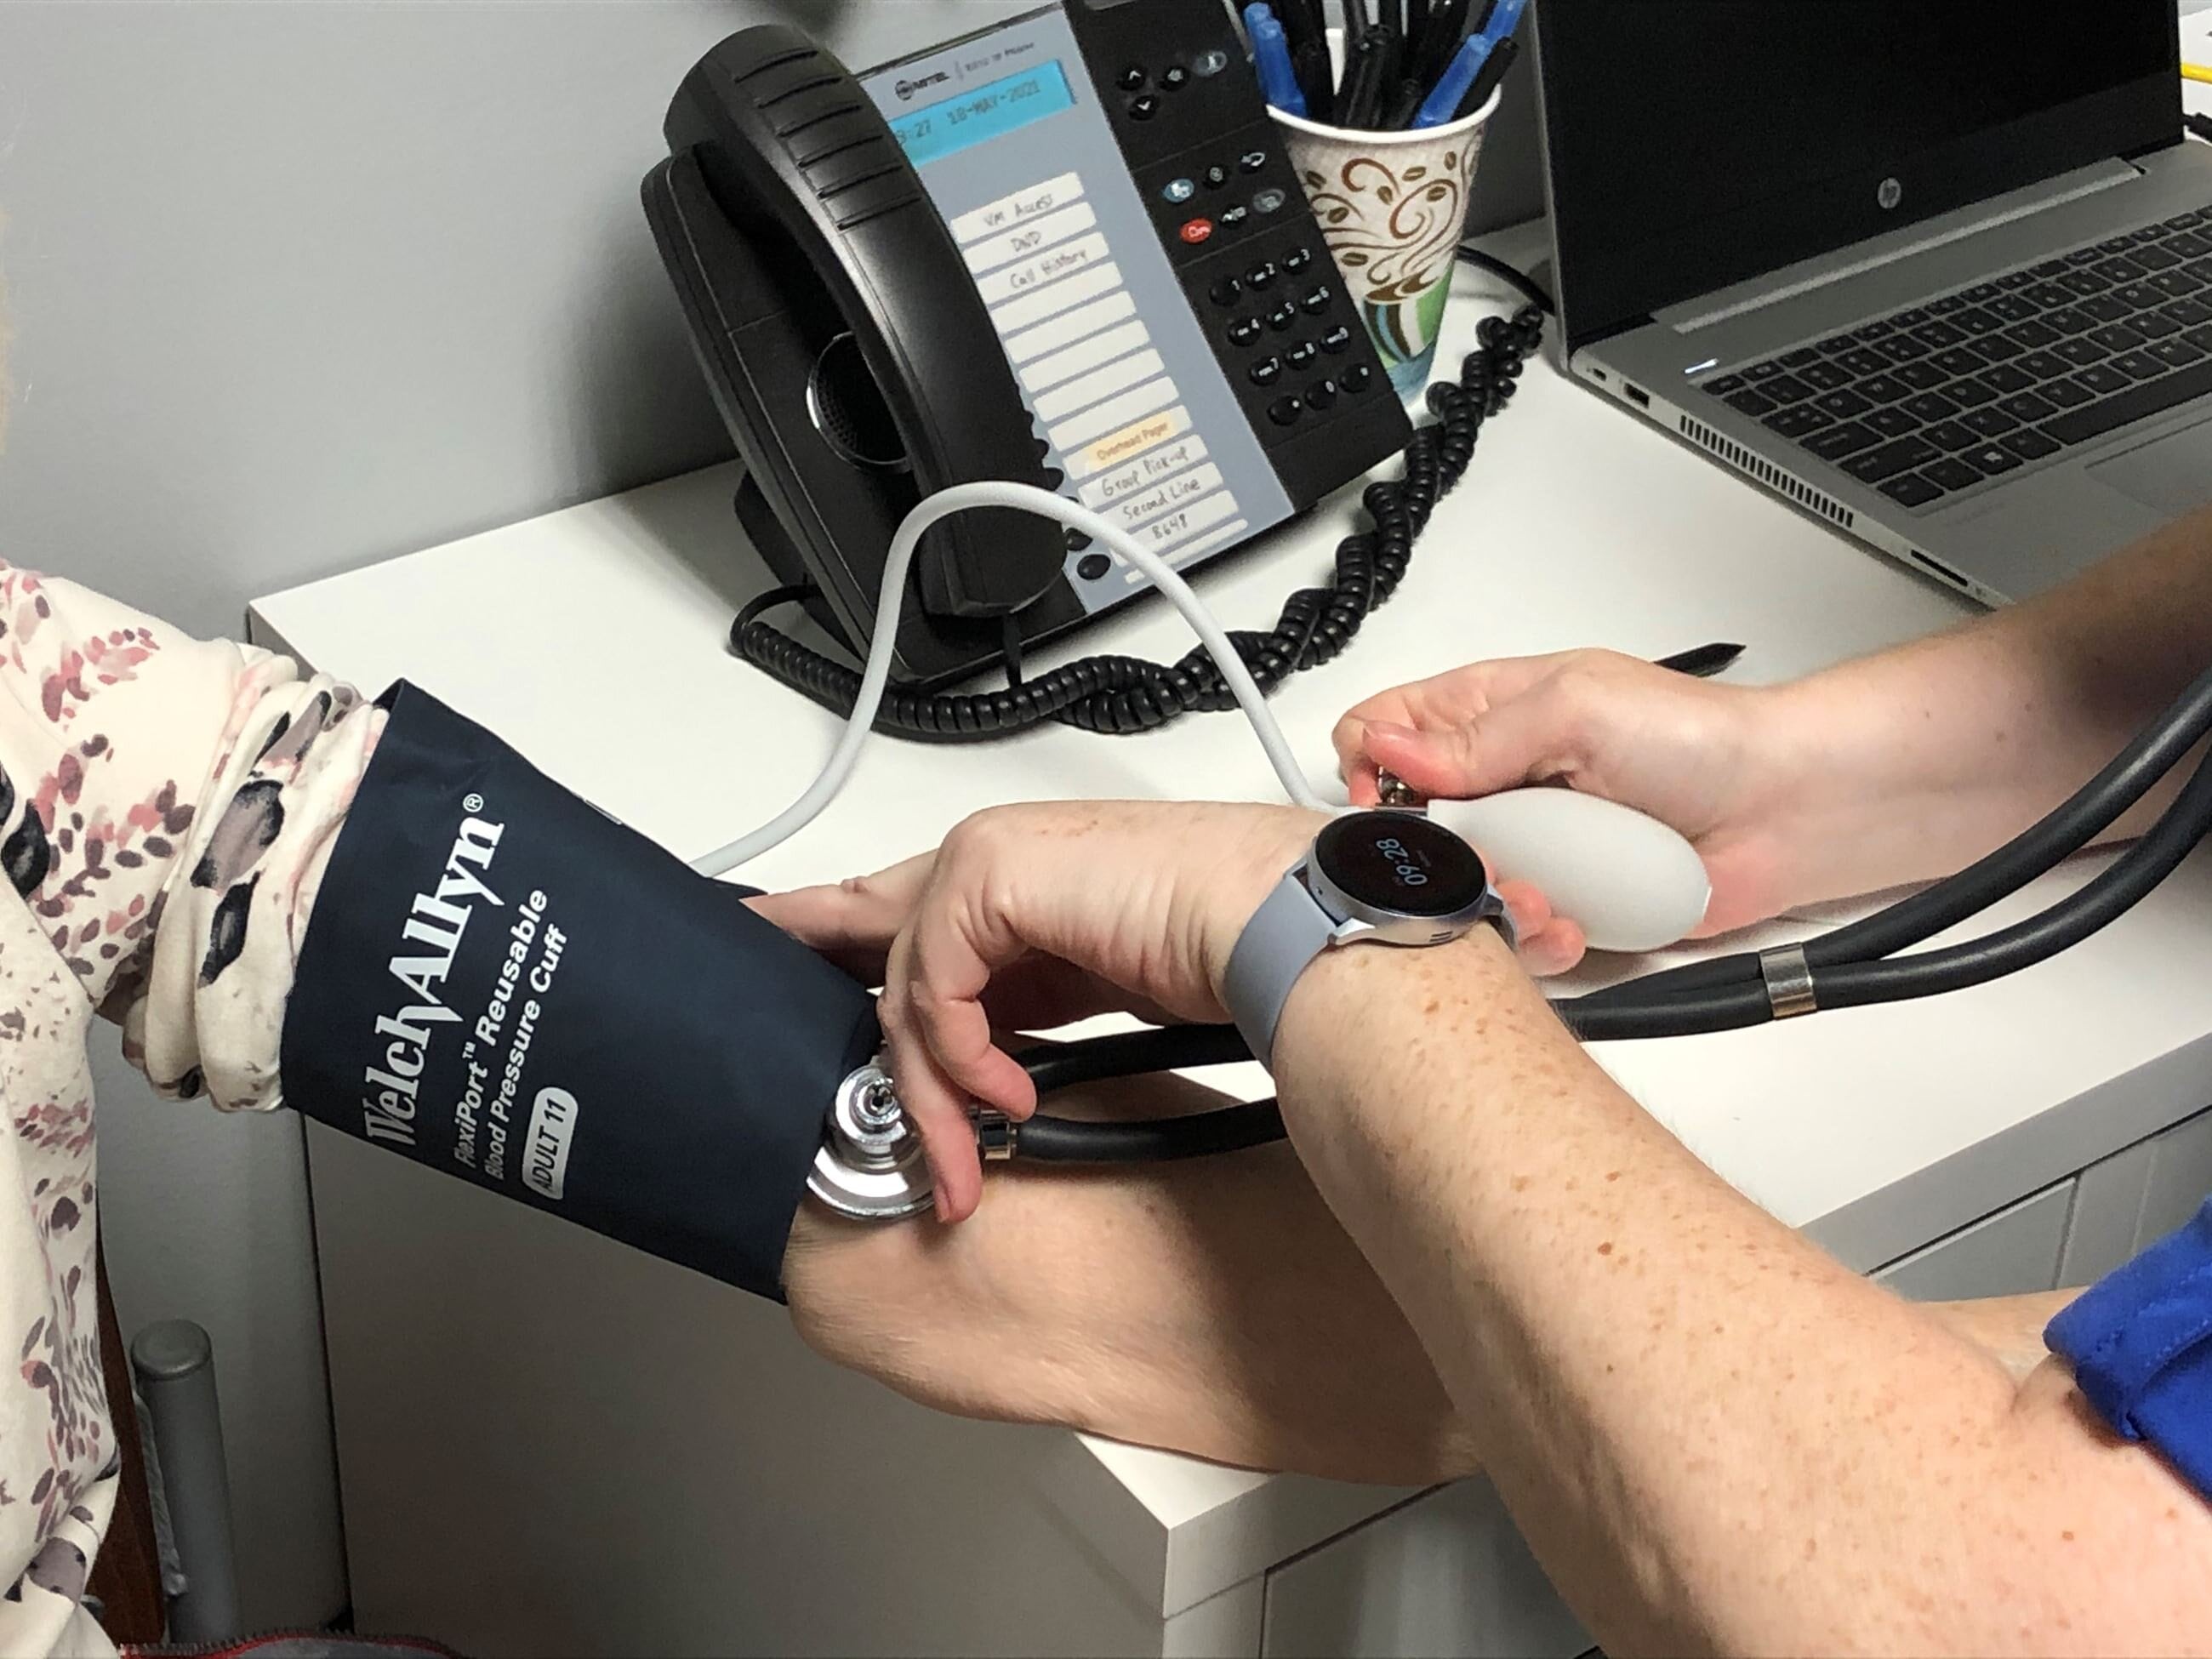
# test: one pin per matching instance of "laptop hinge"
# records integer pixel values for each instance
(1811, 276)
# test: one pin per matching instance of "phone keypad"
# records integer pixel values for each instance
(1281, 313)
(1270, 360)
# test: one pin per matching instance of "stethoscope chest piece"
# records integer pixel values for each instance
(870, 1166)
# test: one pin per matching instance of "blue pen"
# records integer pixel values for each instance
(1270, 54)
(1505, 20)
(1442, 105)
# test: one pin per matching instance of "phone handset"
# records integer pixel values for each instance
(782, 132)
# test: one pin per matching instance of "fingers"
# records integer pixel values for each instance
(960, 940)
(1472, 732)
(1363, 779)
(937, 1028)
(1547, 943)
(933, 1101)
(854, 922)
(1525, 739)
(1442, 700)
(1557, 947)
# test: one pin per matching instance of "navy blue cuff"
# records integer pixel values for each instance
(502, 981)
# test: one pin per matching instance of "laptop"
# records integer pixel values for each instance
(1937, 271)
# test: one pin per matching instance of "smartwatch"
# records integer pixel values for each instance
(1370, 877)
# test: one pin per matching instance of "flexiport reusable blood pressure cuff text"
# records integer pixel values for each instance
(501, 982)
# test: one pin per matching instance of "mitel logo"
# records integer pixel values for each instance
(906, 89)
(1890, 195)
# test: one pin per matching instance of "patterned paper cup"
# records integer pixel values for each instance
(1393, 207)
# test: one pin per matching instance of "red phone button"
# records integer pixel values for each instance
(1197, 231)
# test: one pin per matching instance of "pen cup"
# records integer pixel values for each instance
(1393, 208)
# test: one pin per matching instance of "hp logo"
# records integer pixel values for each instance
(1891, 193)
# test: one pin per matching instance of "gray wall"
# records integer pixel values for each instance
(295, 287)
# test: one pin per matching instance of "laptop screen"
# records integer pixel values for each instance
(1698, 143)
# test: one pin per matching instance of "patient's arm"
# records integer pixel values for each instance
(1212, 1307)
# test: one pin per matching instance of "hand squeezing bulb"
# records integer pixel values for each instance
(1633, 884)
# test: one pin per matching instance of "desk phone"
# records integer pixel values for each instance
(1068, 250)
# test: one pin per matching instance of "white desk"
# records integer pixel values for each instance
(548, 1443)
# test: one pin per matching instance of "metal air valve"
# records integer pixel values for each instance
(870, 1166)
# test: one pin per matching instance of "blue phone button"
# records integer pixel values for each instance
(1180, 191)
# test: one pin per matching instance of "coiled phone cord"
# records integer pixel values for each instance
(1117, 696)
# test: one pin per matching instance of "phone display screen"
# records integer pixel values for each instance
(982, 113)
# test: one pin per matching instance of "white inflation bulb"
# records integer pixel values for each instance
(1633, 884)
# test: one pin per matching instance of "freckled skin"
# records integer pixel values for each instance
(1804, 1463)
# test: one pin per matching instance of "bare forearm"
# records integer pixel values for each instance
(1933, 754)
(2008, 1329)
(1714, 1435)
(1214, 1308)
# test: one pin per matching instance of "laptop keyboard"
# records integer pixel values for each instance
(1948, 395)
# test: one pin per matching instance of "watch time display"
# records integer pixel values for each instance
(1401, 862)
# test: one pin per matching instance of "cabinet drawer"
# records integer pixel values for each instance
(1446, 1574)
(2013, 1252)
(2136, 1197)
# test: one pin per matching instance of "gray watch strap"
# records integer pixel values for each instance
(1277, 945)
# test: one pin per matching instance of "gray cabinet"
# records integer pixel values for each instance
(2136, 1197)
(1446, 1574)
(2013, 1252)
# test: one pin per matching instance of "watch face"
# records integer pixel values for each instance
(1401, 862)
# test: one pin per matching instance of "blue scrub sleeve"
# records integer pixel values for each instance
(2141, 1344)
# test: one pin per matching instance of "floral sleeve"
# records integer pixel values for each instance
(166, 809)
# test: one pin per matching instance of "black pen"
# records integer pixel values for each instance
(1362, 80)
(1310, 63)
(1357, 21)
(1704, 662)
(1490, 77)
(1404, 104)
(1390, 57)
(1309, 39)
(1447, 27)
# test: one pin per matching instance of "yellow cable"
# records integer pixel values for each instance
(2198, 72)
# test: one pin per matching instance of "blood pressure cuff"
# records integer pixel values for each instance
(2141, 1344)
(501, 982)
